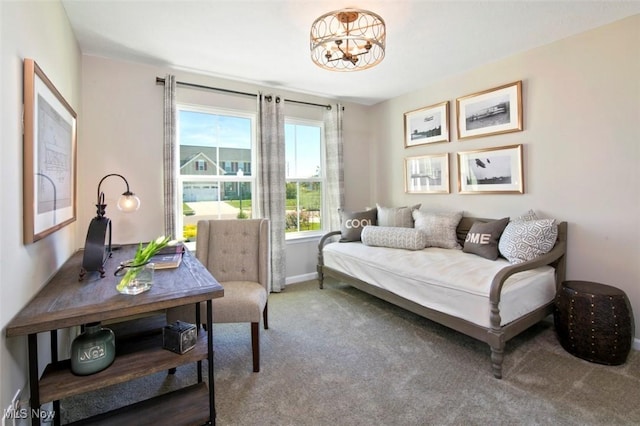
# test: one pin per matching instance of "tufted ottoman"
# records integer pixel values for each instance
(594, 321)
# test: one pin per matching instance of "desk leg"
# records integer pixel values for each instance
(33, 376)
(199, 364)
(54, 359)
(212, 401)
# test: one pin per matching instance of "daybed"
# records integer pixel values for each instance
(489, 300)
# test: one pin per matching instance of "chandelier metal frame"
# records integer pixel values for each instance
(348, 40)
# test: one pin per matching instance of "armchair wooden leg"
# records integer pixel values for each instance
(255, 345)
(264, 317)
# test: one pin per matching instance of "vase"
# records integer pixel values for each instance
(136, 278)
(93, 350)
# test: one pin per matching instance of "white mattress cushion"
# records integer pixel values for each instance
(446, 280)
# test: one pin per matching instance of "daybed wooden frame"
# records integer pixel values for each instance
(497, 335)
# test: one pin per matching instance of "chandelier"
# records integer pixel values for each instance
(348, 40)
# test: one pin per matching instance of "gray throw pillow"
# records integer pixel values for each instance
(400, 217)
(524, 240)
(394, 237)
(482, 239)
(353, 222)
(440, 228)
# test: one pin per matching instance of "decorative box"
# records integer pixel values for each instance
(179, 337)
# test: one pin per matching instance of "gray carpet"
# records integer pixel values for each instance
(340, 357)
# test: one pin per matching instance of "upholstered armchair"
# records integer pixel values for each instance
(237, 253)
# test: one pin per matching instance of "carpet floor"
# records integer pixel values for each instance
(341, 357)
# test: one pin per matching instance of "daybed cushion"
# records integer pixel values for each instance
(439, 227)
(396, 216)
(482, 239)
(524, 240)
(351, 223)
(394, 237)
(449, 281)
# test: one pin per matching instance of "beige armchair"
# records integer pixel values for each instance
(237, 253)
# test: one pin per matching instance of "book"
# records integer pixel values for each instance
(166, 261)
(176, 248)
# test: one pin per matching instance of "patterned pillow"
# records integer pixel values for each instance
(396, 216)
(482, 239)
(353, 222)
(439, 227)
(524, 240)
(394, 237)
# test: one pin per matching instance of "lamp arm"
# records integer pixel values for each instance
(128, 192)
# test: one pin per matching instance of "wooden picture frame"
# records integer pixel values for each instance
(427, 125)
(427, 174)
(491, 112)
(49, 156)
(491, 171)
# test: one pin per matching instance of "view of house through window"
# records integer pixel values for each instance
(216, 178)
(216, 163)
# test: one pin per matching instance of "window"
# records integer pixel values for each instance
(216, 157)
(304, 142)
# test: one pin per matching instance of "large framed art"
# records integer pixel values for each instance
(427, 125)
(427, 174)
(491, 112)
(49, 150)
(491, 171)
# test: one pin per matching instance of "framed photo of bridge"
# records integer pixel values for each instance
(491, 171)
(427, 174)
(427, 125)
(492, 112)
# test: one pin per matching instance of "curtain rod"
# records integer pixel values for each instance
(160, 80)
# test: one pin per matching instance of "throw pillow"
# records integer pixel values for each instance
(482, 239)
(396, 216)
(440, 228)
(394, 237)
(524, 240)
(353, 222)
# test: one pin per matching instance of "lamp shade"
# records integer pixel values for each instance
(128, 202)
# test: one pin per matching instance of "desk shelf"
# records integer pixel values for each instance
(134, 359)
(186, 406)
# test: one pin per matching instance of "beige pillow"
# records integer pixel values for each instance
(440, 228)
(396, 216)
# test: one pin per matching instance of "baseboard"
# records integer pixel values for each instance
(301, 278)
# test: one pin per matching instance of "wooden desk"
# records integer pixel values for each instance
(65, 302)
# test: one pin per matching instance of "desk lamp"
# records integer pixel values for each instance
(97, 247)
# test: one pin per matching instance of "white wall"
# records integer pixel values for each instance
(581, 101)
(37, 30)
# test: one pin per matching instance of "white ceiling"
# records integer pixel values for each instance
(266, 42)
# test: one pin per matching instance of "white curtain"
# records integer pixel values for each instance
(170, 156)
(334, 165)
(271, 181)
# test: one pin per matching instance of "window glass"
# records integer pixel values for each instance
(216, 158)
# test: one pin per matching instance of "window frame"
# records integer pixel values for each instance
(322, 179)
(218, 180)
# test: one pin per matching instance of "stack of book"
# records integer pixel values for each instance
(168, 257)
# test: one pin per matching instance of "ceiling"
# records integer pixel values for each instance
(266, 42)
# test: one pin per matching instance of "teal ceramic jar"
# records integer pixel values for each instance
(93, 350)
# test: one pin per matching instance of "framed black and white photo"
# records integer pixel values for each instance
(49, 149)
(494, 111)
(427, 174)
(427, 125)
(491, 171)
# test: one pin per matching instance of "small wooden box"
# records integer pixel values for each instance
(179, 337)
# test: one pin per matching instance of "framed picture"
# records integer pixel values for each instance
(427, 125)
(49, 170)
(491, 112)
(427, 174)
(491, 171)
